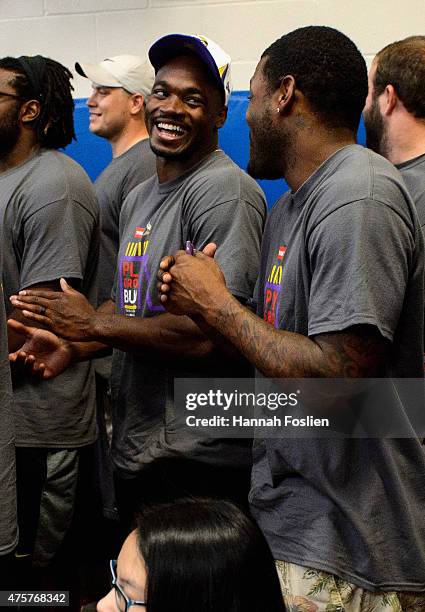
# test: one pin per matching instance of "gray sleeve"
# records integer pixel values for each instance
(56, 242)
(236, 227)
(359, 262)
(137, 174)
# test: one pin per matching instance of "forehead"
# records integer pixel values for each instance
(186, 69)
(372, 73)
(131, 566)
(258, 79)
(6, 76)
(373, 67)
(117, 92)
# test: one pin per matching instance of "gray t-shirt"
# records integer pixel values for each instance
(8, 522)
(350, 252)
(49, 219)
(112, 187)
(413, 173)
(214, 201)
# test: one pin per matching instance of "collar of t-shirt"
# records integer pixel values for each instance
(410, 163)
(169, 186)
(307, 188)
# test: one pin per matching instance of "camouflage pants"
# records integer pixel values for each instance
(310, 590)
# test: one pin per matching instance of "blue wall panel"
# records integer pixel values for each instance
(94, 153)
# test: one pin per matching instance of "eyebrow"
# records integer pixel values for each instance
(130, 583)
(188, 90)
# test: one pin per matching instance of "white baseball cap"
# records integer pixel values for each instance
(131, 72)
(215, 59)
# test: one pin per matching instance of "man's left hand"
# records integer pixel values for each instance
(190, 284)
(67, 313)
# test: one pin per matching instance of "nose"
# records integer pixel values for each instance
(248, 115)
(172, 104)
(91, 100)
(107, 603)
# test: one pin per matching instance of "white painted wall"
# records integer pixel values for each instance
(90, 30)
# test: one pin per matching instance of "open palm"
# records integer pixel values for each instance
(42, 351)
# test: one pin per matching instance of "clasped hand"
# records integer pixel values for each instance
(189, 284)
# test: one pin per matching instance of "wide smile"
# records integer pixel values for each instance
(169, 130)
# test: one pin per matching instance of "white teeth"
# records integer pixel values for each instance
(170, 127)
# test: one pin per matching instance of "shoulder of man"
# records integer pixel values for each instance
(220, 180)
(68, 180)
(358, 174)
(125, 172)
(50, 176)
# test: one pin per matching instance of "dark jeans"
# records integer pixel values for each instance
(104, 481)
(7, 572)
(31, 474)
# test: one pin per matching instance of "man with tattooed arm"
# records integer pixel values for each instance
(340, 294)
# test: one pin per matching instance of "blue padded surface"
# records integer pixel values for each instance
(94, 153)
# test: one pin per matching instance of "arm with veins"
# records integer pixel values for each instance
(69, 315)
(195, 286)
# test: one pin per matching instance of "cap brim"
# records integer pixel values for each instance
(173, 45)
(97, 75)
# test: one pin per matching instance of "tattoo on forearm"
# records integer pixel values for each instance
(357, 352)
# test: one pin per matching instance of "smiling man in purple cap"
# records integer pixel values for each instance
(198, 195)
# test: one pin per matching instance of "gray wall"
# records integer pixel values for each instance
(90, 30)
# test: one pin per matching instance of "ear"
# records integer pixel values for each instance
(388, 100)
(221, 117)
(137, 103)
(30, 111)
(286, 93)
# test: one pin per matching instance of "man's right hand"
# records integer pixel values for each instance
(188, 285)
(42, 352)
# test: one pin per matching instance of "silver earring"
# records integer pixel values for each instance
(278, 110)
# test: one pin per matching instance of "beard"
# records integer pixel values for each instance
(270, 152)
(9, 132)
(376, 132)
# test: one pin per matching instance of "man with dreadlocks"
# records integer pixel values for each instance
(49, 225)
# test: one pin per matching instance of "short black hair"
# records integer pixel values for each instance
(328, 69)
(402, 65)
(54, 126)
(206, 555)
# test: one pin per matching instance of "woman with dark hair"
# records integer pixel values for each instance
(191, 556)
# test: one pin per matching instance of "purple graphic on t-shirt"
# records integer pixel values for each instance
(271, 303)
(273, 289)
(133, 272)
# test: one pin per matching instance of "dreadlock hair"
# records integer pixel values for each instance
(54, 127)
(328, 69)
